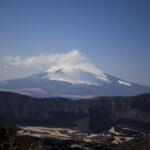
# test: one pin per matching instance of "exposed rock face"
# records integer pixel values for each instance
(96, 114)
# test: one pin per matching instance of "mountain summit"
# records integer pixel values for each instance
(68, 75)
(76, 75)
(71, 80)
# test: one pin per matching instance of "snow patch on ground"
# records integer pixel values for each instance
(76, 81)
(124, 83)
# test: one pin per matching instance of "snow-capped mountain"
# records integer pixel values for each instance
(76, 76)
(73, 81)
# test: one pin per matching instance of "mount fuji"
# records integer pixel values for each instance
(72, 81)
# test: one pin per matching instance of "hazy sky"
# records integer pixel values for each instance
(113, 34)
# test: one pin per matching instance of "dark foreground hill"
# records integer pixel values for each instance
(96, 114)
(142, 143)
(10, 140)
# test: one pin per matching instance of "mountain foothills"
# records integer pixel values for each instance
(72, 81)
(96, 114)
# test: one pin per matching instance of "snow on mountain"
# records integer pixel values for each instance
(124, 83)
(76, 75)
(73, 80)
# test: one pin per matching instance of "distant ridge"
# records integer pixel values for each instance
(96, 114)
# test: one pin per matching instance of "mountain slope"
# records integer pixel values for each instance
(97, 114)
(72, 82)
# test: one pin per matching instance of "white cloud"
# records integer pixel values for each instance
(69, 61)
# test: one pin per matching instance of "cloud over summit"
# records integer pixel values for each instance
(68, 61)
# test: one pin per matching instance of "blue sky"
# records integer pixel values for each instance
(113, 34)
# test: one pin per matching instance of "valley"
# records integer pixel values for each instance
(97, 123)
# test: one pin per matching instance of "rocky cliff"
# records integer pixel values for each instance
(96, 114)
